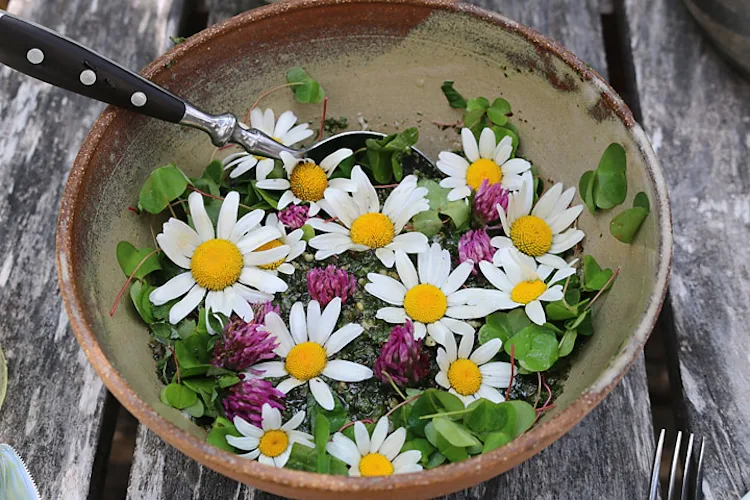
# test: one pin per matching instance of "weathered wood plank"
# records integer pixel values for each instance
(697, 110)
(607, 456)
(53, 411)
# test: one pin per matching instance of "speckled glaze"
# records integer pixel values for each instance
(381, 63)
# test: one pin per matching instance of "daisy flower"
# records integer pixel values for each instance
(429, 297)
(306, 351)
(293, 240)
(282, 130)
(376, 455)
(271, 443)
(471, 376)
(306, 180)
(364, 226)
(543, 232)
(487, 160)
(223, 265)
(525, 284)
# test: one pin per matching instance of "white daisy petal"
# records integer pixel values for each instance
(286, 198)
(246, 223)
(185, 306)
(406, 270)
(487, 392)
(322, 393)
(452, 164)
(271, 418)
(395, 315)
(297, 134)
(201, 221)
(438, 331)
(410, 457)
(464, 348)
(285, 122)
(346, 371)
(270, 369)
(499, 279)
(386, 289)
(553, 261)
(297, 323)
(420, 330)
(496, 374)
(457, 278)
(282, 459)
(361, 438)
(172, 249)
(264, 168)
(535, 312)
(273, 184)
(228, 215)
(547, 202)
(408, 469)
(561, 221)
(342, 337)
(288, 384)
(470, 146)
(378, 435)
(257, 238)
(344, 449)
(328, 320)
(243, 443)
(552, 294)
(276, 326)
(451, 352)
(456, 326)
(413, 242)
(175, 287)
(459, 193)
(262, 280)
(487, 143)
(393, 443)
(442, 378)
(486, 352)
(332, 160)
(246, 428)
(250, 456)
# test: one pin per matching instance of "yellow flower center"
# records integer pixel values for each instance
(374, 230)
(306, 361)
(425, 303)
(375, 464)
(273, 443)
(483, 169)
(308, 181)
(465, 377)
(527, 291)
(531, 235)
(216, 264)
(268, 246)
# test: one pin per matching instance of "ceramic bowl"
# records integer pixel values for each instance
(381, 63)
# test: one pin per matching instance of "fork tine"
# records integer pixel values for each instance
(699, 472)
(688, 468)
(673, 469)
(654, 488)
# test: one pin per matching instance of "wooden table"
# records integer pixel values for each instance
(696, 110)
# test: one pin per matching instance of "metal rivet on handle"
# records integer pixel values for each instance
(88, 77)
(138, 99)
(35, 56)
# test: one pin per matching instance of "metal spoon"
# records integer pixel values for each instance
(55, 59)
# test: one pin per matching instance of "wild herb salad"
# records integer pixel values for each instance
(364, 314)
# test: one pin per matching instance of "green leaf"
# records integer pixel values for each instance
(477, 103)
(307, 232)
(454, 433)
(432, 401)
(586, 189)
(427, 223)
(455, 99)
(422, 445)
(452, 453)
(201, 385)
(197, 410)
(594, 277)
(186, 328)
(503, 325)
(611, 182)
(139, 293)
(488, 332)
(303, 458)
(459, 211)
(178, 396)
(336, 417)
(164, 185)
(322, 431)
(473, 118)
(265, 196)
(567, 343)
(436, 459)
(306, 89)
(228, 381)
(501, 132)
(496, 440)
(559, 310)
(525, 416)
(535, 348)
(584, 325)
(217, 436)
(489, 417)
(625, 226)
(499, 111)
(130, 257)
(641, 200)
(397, 167)
(437, 196)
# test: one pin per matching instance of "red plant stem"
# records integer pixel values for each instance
(512, 366)
(364, 421)
(130, 278)
(539, 389)
(549, 391)
(386, 186)
(134, 210)
(209, 195)
(267, 93)
(176, 364)
(225, 146)
(323, 119)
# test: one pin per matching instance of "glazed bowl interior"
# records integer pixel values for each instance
(381, 64)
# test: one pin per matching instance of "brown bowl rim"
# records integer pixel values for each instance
(500, 460)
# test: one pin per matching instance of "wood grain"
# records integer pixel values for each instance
(700, 129)
(53, 411)
(606, 456)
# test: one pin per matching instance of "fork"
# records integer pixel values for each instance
(692, 476)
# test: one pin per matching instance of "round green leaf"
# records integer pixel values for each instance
(496, 440)
(586, 189)
(641, 200)
(535, 348)
(130, 258)
(611, 182)
(454, 433)
(567, 342)
(164, 185)
(428, 223)
(525, 416)
(178, 396)
(625, 226)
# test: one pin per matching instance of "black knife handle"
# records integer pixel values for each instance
(47, 56)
